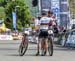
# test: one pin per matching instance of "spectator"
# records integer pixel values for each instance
(63, 28)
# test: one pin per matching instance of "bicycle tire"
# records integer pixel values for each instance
(22, 50)
(50, 46)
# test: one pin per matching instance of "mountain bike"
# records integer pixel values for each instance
(23, 46)
(49, 42)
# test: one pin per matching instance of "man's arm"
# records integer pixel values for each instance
(37, 26)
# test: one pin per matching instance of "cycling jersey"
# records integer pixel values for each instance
(44, 23)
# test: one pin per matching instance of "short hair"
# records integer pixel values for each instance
(50, 12)
(44, 13)
(23, 34)
(39, 17)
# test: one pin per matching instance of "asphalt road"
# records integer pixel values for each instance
(9, 52)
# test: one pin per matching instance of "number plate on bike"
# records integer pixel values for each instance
(50, 32)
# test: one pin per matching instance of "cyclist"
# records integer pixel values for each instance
(54, 22)
(23, 39)
(24, 34)
(44, 25)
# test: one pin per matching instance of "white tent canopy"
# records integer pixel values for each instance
(8, 29)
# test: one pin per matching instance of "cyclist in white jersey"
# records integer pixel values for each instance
(44, 25)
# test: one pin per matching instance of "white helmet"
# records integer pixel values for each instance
(26, 32)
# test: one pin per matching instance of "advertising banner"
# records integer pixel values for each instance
(55, 7)
(14, 20)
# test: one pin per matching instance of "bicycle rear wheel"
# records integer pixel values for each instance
(23, 49)
(50, 46)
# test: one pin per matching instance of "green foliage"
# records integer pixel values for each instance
(4, 2)
(22, 12)
(2, 14)
(33, 10)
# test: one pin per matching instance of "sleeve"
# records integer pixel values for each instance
(39, 22)
(36, 22)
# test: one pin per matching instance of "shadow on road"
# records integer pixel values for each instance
(11, 55)
(9, 43)
(7, 49)
(64, 49)
(61, 48)
(17, 55)
(4, 49)
(33, 49)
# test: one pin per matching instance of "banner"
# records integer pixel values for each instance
(71, 41)
(45, 4)
(55, 7)
(6, 37)
(14, 19)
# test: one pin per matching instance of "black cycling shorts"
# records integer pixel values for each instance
(43, 34)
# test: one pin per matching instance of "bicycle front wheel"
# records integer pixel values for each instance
(23, 49)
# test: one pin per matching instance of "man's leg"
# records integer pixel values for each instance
(38, 46)
(37, 50)
(46, 46)
(46, 43)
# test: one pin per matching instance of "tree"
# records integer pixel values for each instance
(22, 12)
(4, 2)
(2, 14)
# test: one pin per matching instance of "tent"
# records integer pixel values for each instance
(2, 27)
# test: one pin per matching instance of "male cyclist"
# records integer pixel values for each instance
(44, 25)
